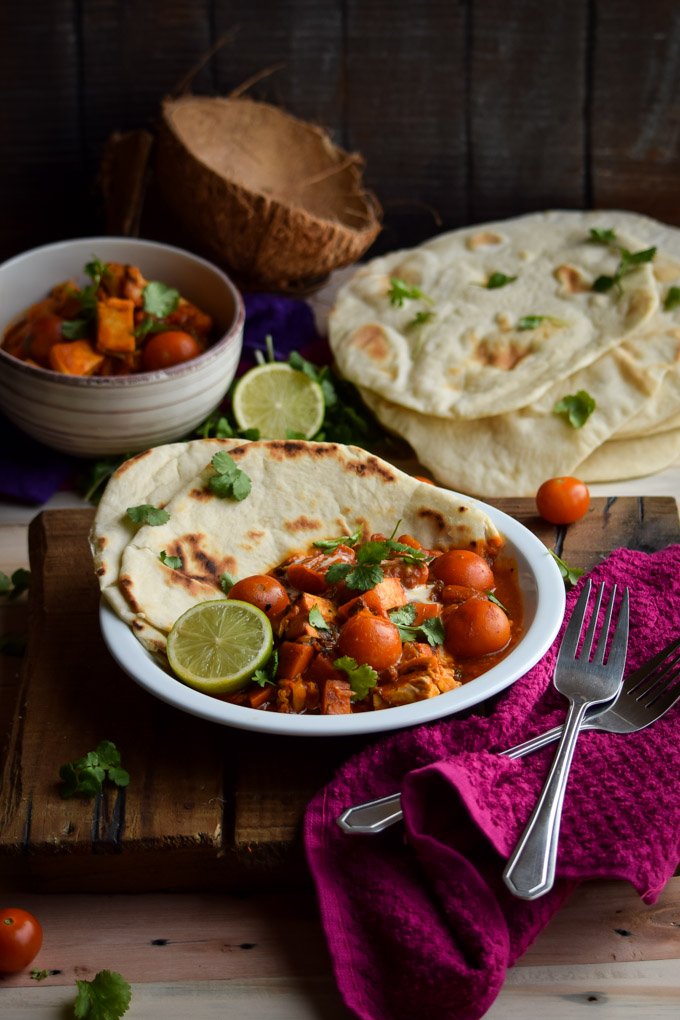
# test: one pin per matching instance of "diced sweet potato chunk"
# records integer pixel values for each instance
(294, 657)
(115, 326)
(76, 357)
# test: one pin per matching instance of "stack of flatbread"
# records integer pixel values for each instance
(465, 345)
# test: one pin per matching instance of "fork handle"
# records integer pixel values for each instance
(530, 872)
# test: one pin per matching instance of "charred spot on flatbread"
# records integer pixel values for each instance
(201, 495)
(372, 466)
(302, 523)
(198, 562)
(126, 585)
(372, 341)
(434, 517)
(127, 464)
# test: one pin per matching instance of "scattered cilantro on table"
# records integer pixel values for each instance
(15, 585)
(106, 997)
(85, 776)
(39, 975)
(570, 574)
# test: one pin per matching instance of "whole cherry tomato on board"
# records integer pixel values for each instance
(476, 628)
(372, 640)
(262, 591)
(563, 500)
(170, 348)
(20, 939)
(461, 566)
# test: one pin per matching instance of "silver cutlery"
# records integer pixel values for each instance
(647, 694)
(584, 681)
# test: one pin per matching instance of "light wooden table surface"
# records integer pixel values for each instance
(263, 957)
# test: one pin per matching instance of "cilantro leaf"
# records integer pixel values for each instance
(159, 299)
(174, 562)
(331, 544)
(602, 235)
(75, 329)
(604, 283)
(316, 619)
(497, 602)
(266, 674)
(433, 629)
(361, 678)
(421, 319)
(145, 513)
(497, 280)
(337, 572)
(404, 616)
(229, 481)
(576, 408)
(364, 576)
(628, 262)
(570, 574)
(96, 270)
(227, 582)
(106, 997)
(401, 291)
(39, 975)
(85, 777)
(672, 299)
(534, 321)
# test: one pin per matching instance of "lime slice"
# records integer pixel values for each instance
(216, 646)
(278, 400)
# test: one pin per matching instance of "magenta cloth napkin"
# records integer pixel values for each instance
(417, 919)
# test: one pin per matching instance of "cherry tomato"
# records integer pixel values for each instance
(20, 939)
(370, 639)
(44, 332)
(476, 628)
(460, 566)
(262, 591)
(562, 500)
(171, 348)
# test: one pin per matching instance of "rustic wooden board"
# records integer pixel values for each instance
(208, 806)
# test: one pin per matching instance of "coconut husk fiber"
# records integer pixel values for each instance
(265, 193)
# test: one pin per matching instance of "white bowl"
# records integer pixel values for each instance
(94, 416)
(544, 601)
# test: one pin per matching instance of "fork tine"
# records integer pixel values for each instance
(658, 678)
(619, 644)
(666, 698)
(598, 657)
(573, 631)
(592, 625)
(635, 680)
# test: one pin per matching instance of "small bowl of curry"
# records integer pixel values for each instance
(113, 345)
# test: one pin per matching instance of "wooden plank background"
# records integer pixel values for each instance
(463, 109)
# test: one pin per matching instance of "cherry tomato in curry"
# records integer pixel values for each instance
(477, 627)
(262, 591)
(170, 348)
(370, 639)
(460, 566)
(20, 939)
(563, 500)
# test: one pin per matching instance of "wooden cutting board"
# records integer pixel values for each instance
(207, 806)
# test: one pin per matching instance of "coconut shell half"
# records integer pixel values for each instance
(267, 194)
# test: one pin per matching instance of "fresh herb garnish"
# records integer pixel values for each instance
(331, 544)
(497, 602)
(361, 678)
(367, 572)
(672, 299)
(15, 585)
(75, 329)
(229, 481)
(266, 674)
(628, 263)
(432, 629)
(316, 619)
(602, 235)
(106, 997)
(570, 574)
(92, 481)
(39, 975)
(401, 291)
(421, 319)
(159, 299)
(227, 582)
(174, 562)
(145, 513)
(85, 777)
(497, 280)
(576, 408)
(534, 321)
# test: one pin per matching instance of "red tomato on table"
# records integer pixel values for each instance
(20, 939)
(563, 500)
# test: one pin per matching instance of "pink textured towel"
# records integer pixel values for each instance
(418, 920)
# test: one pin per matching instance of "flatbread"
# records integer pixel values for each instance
(301, 492)
(471, 359)
(618, 460)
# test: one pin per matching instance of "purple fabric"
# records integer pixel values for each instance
(418, 920)
(31, 472)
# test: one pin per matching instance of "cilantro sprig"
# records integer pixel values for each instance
(576, 408)
(331, 544)
(628, 260)
(85, 776)
(431, 629)
(570, 574)
(316, 619)
(146, 513)
(367, 572)
(672, 299)
(401, 291)
(17, 584)
(534, 321)
(229, 481)
(174, 562)
(106, 997)
(227, 582)
(266, 674)
(361, 678)
(421, 319)
(497, 280)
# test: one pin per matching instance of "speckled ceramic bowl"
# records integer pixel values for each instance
(92, 416)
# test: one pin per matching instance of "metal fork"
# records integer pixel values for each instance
(647, 694)
(530, 871)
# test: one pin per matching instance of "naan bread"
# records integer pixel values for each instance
(471, 359)
(620, 459)
(301, 492)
